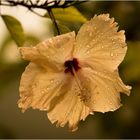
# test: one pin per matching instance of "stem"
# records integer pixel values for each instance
(76, 78)
(36, 13)
(53, 20)
(42, 6)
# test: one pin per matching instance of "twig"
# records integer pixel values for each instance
(53, 20)
(47, 5)
(36, 13)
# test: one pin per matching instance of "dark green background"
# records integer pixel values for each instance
(123, 123)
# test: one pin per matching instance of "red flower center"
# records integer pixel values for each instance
(70, 65)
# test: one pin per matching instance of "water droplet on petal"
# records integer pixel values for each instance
(95, 72)
(88, 52)
(57, 82)
(87, 29)
(111, 54)
(90, 34)
(124, 46)
(110, 103)
(74, 129)
(91, 113)
(44, 44)
(112, 109)
(87, 46)
(47, 88)
(102, 33)
(43, 91)
(83, 119)
(50, 40)
(63, 49)
(34, 85)
(51, 80)
(48, 56)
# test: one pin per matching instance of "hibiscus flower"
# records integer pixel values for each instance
(73, 76)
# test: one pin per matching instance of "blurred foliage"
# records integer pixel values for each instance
(131, 67)
(70, 14)
(9, 70)
(123, 123)
(65, 18)
(15, 29)
(5, 132)
(62, 28)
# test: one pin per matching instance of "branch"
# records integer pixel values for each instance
(37, 4)
(47, 5)
(53, 20)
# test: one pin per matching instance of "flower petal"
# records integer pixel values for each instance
(104, 89)
(56, 93)
(38, 87)
(99, 42)
(71, 109)
(52, 53)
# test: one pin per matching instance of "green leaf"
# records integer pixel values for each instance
(130, 65)
(15, 29)
(62, 28)
(70, 14)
